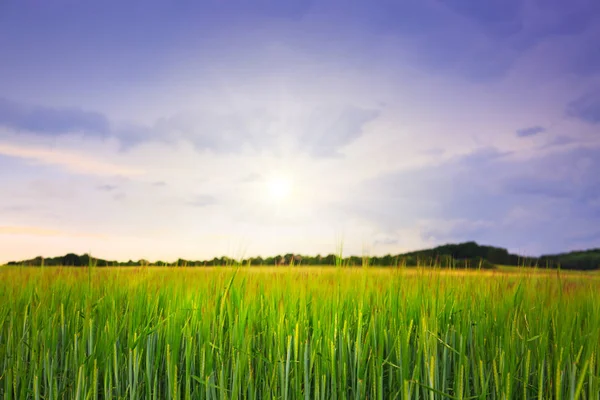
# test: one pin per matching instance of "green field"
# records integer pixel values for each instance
(291, 333)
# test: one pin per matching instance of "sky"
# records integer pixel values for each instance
(194, 129)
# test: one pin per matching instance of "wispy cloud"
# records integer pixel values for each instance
(586, 107)
(202, 201)
(531, 131)
(558, 141)
(385, 241)
(327, 130)
(107, 188)
(74, 162)
(320, 131)
(51, 120)
(251, 177)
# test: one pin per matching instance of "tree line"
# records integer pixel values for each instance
(469, 255)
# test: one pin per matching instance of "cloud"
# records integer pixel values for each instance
(17, 209)
(385, 241)
(320, 132)
(131, 135)
(251, 177)
(472, 197)
(51, 120)
(43, 121)
(327, 130)
(528, 21)
(225, 132)
(534, 186)
(455, 230)
(290, 9)
(482, 156)
(497, 16)
(590, 237)
(74, 162)
(531, 131)
(202, 201)
(487, 190)
(107, 188)
(483, 40)
(410, 17)
(558, 141)
(432, 36)
(586, 107)
(556, 17)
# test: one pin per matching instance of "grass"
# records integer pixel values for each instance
(298, 333)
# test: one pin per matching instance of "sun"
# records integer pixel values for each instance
(279, 187)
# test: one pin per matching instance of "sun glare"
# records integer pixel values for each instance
(279, 187)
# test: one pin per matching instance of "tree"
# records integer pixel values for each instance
(71, 260)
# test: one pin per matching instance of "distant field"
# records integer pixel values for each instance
(290, 333)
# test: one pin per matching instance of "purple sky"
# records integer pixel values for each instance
(146, 129)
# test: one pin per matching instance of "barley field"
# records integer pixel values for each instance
(298, 333)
